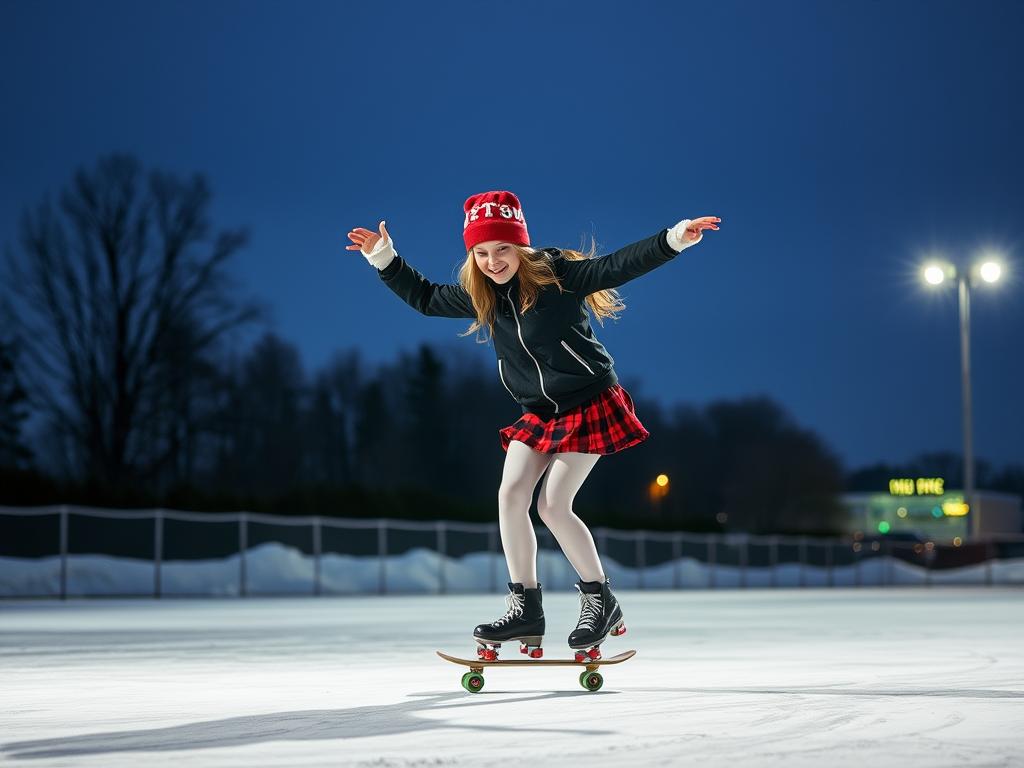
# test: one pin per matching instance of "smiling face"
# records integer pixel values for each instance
(495, 256)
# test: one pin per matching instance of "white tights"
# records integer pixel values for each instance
(565, 474)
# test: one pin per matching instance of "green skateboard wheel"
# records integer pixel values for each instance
(473, 682)
(591, 680)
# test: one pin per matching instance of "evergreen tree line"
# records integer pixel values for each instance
(418, 438)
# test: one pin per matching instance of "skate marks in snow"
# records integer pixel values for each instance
(954, 693)
(397, 719)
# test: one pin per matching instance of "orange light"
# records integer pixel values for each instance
(657, 490)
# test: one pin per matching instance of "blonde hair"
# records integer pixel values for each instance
(535, 272)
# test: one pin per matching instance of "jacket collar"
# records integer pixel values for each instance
(511, 288)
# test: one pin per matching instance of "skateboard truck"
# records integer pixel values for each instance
(487, 651)
(594, 653)
(533, 651)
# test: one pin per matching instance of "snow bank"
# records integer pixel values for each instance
(275, 568)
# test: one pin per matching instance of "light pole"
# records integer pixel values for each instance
(964, 292)
(935, 273)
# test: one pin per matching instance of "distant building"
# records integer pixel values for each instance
(924, 507)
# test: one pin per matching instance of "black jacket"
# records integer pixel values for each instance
(548, 357)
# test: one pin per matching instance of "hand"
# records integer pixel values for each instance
(364, 240)
(378, 249)
(692, 233)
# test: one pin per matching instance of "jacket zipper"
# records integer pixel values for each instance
(502, 377)
(569, 350)
(515, 314)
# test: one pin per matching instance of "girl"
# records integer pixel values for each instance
(534, 304)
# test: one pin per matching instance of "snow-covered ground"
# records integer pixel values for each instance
(907, 676)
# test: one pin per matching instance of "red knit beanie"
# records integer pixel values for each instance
(494, 216)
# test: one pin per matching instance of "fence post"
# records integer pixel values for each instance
(641, 562)
(803, 557)
(990, 555)
(858, 580)
(889, 565)
(744, 554)
(828, 563)
(158, 551)
(442, 549)
(677, 556)
(243, 545)
(317, 549)
(382, 554)
(63, 552)
(711, 560)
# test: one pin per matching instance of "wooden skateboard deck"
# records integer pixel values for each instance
(590, 678)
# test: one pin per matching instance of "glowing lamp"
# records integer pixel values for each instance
(990, 271)
(934, 274)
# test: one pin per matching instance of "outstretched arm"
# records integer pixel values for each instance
(427, 298)
(586, 276)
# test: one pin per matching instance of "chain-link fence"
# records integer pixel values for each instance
(64, 551)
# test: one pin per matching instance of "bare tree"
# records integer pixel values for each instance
(13, 409)
(122, 283)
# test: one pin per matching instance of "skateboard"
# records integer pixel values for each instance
(590, 678)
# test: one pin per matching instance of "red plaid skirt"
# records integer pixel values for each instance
(604, 424)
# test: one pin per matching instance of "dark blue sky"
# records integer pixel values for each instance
(840, 142)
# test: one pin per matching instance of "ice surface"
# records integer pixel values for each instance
(908, 676)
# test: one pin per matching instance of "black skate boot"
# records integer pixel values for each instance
(523, 621)
(600, 616)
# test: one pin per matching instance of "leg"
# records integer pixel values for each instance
(600, 613)
(565, 476)
(523, 467)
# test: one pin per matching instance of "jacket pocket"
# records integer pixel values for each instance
(580, 359)
(501, 374)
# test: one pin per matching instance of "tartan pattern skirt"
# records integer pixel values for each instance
(605, 424)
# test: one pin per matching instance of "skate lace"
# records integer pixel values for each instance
(590, 610)
(515, 603)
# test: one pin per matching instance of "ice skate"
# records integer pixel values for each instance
(600, 615)
(523, 621)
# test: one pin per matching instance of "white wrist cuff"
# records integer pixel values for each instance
(675, 236)
(382, 254)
